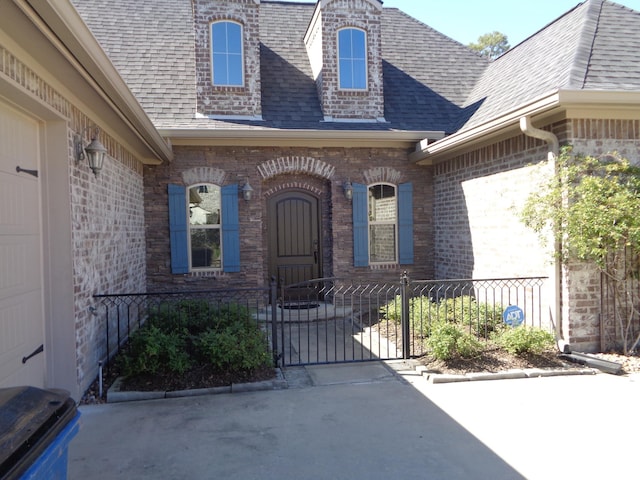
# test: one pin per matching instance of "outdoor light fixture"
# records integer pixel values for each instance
(247, 191)
(348, 190)
(95, 151)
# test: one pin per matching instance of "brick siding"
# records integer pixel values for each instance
(338, 165)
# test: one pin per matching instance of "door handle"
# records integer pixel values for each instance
(315, 252)
(38, 350)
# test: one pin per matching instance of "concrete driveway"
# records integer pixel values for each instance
(367, 421)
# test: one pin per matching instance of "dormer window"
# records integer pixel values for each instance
(226, 54)
(352, 59)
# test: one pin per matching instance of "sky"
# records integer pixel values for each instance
(466, 20)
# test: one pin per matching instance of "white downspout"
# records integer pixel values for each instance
(552, 155)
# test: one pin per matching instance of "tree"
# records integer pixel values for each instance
(491, 45)
(592, 205)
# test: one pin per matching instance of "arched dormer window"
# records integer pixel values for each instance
(352, 59)
(227, 59)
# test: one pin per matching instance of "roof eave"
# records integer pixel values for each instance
(306, 137)
(67, 31)
(568, 103)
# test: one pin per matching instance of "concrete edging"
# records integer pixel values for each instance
(436, 378)
(115, 395)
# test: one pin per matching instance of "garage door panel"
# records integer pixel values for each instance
(21, 145)
(21, 311)
(19, 205)
(20, 260)
(19, 336)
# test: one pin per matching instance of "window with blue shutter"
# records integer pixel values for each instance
(382, 224)
(208, 223)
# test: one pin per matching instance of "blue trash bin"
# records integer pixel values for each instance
(36, 427)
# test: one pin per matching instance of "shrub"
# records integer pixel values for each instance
(240, 346)
(447, 340)
(521, 340)
(152, 351)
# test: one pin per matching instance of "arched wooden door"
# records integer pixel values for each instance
(294, 237)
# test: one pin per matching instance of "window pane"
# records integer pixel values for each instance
(346, 74)
(220, 73)
(358, 44)
(382, 243)
(204, 205)
(205, 248)
(219, 37)
(382, 203)
(359, 74)
(234, 71)
(226, 53)
(234, 38)
(344, 43)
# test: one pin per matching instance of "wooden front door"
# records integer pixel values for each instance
(294, 237)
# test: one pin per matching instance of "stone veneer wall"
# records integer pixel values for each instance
(320, 171)
(347, 104)
(107, 220)
(221, 100)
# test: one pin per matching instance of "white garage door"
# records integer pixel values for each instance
(21, 313)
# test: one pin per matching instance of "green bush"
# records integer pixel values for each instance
(152, 351)
(447, 340)
(521, 340)
(481, 318)
(180, 335)
(240, 346)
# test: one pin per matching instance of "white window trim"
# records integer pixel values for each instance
(366, 60)
(383, 222)
(242, 85)
(202, 227)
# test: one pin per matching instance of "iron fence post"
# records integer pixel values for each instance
(406, 334)
(273, 298)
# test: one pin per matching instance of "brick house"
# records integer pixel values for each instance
(370, 143)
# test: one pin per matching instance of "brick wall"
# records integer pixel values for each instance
(219, 100)
(341, 104)
(108, 243)
(270, 170)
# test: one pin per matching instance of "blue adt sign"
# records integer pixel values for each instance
(513, 315)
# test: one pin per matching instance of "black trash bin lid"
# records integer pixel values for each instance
(30, 419)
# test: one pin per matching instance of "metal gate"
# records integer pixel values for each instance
(330, 321)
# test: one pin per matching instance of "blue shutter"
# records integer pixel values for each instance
(230, 229)
(360, 226)
(405, 223)
(178, 229)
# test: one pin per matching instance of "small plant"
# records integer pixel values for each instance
(447, 340)
(522, 340)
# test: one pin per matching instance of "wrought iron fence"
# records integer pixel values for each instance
(336, 320)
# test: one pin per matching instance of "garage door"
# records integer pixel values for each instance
(21, 313)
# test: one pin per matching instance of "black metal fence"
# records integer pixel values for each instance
(335, 320)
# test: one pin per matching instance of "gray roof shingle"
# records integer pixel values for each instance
(431, 82)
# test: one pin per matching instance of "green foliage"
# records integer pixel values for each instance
(448, 340)
(521, 340)
(180, 335)
(481, 318)
(239, 346)
(153, 351)
(592, 203)
(491, 45)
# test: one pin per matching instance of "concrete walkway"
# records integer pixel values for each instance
(370, 421)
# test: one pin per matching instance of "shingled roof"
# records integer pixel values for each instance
(431, 82)
(427, 76)
(592, 47)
